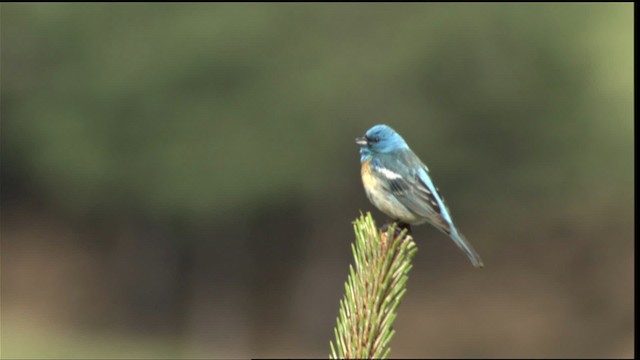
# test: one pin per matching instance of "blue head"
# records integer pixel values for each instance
(380, 139)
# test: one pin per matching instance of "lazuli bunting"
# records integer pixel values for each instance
(398, 184)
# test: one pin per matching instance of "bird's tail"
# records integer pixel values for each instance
(464, 245)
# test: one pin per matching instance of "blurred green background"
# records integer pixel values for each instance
(179, 180)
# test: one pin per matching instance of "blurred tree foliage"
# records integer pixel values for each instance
(191, 110)
(204, 155)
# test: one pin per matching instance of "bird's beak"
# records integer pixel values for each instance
(362, 141)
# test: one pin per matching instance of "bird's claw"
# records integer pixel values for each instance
(398, 229)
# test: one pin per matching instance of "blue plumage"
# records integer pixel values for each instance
(397, 182)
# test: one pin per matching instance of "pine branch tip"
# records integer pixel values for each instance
(375, 285)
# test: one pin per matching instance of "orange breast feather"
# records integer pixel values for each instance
(368, 179)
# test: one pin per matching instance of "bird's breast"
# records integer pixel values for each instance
(369, 181)
(382, 198)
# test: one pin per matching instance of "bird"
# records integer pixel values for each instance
(397, 182)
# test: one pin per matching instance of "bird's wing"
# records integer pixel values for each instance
(407, 178)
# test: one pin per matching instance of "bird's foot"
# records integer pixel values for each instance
(403, 226)
(398, 229)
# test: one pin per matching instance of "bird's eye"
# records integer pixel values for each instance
(376, 139)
